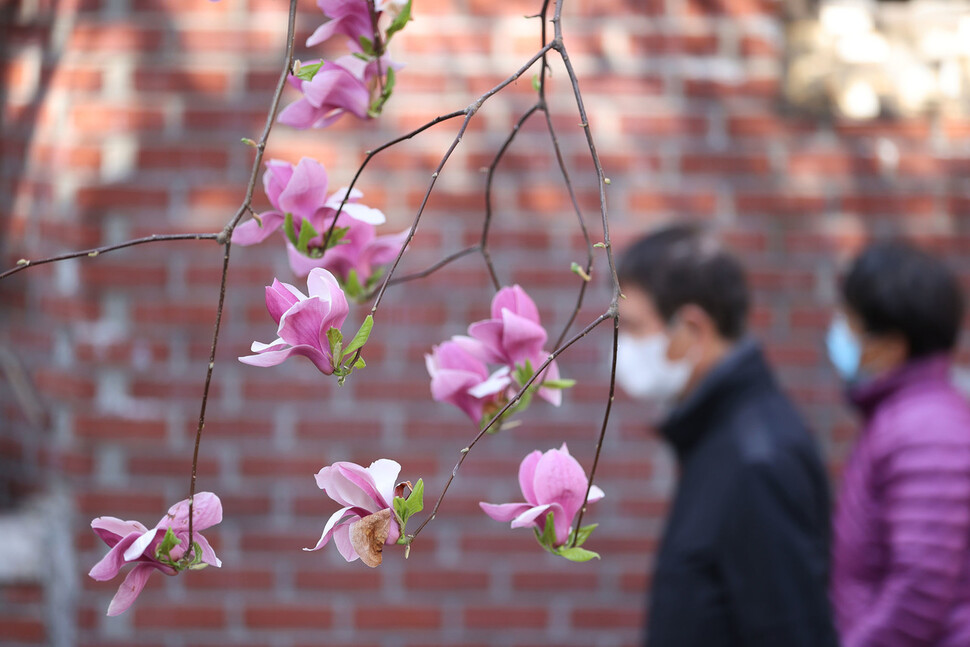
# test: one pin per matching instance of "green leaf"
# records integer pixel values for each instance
(334, 336)
(360, 363)
(337, 237)
(400, 21)
(584, 533)
(401, 510)
(577, 554)
(367, 45)
(169, 541)
(289, 229)
(415, 502)
(361, 337)
(578, 269)
(307, 233)
(352, 286)
(307, 72)
(536, 85)
(378, 105)
(559, 384)
(548, 536)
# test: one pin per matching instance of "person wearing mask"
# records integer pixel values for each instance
(745, 554)
(901, 556)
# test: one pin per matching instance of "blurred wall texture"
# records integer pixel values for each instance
(123, 118)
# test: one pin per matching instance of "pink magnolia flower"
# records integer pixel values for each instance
(366, 523)
(303, 321)
(552, 482)
(462, 379)
(133, 543)
(514, 335)
(348, 17)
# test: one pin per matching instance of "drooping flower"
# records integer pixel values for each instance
(303, 322)
(551, 482)
(366, 523)
(156, 548)
(301, 191)
(348, 17)
(462, 379)
(333, 91)
(514, 334)
(359, 251)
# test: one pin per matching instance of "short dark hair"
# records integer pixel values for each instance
(683, 264)
(896, 287)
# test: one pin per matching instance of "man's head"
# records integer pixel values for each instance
(899, 303)
(686, 293)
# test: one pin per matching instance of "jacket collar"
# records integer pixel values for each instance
(743, 367)
(933, 369)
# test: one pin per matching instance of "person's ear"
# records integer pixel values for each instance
(692, 330)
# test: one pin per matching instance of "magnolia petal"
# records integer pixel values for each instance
(496, 383)
(368, 535)
(559, 478)
(280, 298)
(206, 512)
(531, 516)
(552, 396)
(595, 494)
(260, 347)
(335, 88)
(340, 194)
(341, 538)
(109, 565)
(322, 284)
(522, 338)
(299, 114)
(301, 264)
(275, 179)
(129, 589)
(274, 357)
(112, 529)
(504, 511)
(322, 33)
(307, 189)
(328, 530)
(252, 231)
(304, 324)
(364, 213)
(138, 546)
(452, 355)
(472, 346)
(516, 301)
(385, 472)
(208, 554)
(489, 334)
(381, 250)
(527, 476)
(349, 484)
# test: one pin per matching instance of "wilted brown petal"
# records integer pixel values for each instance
(368, 535)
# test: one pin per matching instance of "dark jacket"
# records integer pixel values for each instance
(745, 556)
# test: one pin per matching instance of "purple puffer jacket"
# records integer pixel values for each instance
(901, 563)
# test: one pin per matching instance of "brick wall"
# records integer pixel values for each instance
(123, 118)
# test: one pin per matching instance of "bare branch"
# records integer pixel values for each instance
(226, 239)
(97, 251)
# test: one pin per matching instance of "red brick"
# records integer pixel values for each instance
(290, 616)
(607, 618)
(110, 428)
(18, 629)
(506, 617)
(396, 618)
(195, 616)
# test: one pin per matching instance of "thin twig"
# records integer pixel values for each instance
(582, 226)
(613, 312)
(437, 266)
(488, 191)
(226, 238)
(23, 264)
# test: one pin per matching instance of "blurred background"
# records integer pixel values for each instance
(798, 129)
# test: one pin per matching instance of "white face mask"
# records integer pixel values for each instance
(645, 373)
